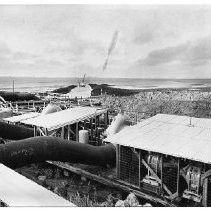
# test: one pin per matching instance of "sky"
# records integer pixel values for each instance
(154, 41)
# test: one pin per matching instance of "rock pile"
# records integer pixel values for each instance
(131, 201)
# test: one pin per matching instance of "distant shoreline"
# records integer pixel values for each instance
(121, 91)
(97, 89)
(35, 85)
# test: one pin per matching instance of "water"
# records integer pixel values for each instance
(34, 84)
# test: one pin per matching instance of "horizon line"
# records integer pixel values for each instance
(98, 77)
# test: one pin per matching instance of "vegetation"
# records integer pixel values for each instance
(107, 89)
(64, 90)
(16, 96)
(147, 104)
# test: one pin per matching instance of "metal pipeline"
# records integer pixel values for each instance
(39, 149)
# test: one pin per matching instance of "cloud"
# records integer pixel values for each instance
(144, 37)
(190, 53)
(164, 55)
(4, 50)
(200, 52)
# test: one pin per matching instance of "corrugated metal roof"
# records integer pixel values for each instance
(65, 117)
(19, 118)
(171, 135)
(18, 191)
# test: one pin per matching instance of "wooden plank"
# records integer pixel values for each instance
(112, 183)
(41, 132)
(157, 178)
(46, 132)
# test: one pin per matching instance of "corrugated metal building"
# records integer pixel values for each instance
(159, 152)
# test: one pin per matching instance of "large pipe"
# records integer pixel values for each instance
(39, 149)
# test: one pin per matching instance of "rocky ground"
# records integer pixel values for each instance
(78, 190)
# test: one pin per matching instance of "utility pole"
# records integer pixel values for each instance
(13, 86)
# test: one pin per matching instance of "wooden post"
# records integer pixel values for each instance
(91, 125)
(106, 119)
(161, 175)
(35, 131)
(46, 131)
(77, 132)
(16, 107)
(107, 116)
(139, 168)
(205, 186)
(96, 139)
(68, 132)
(62, 133)
(178, 174)
(84, 124)
(118, 161)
